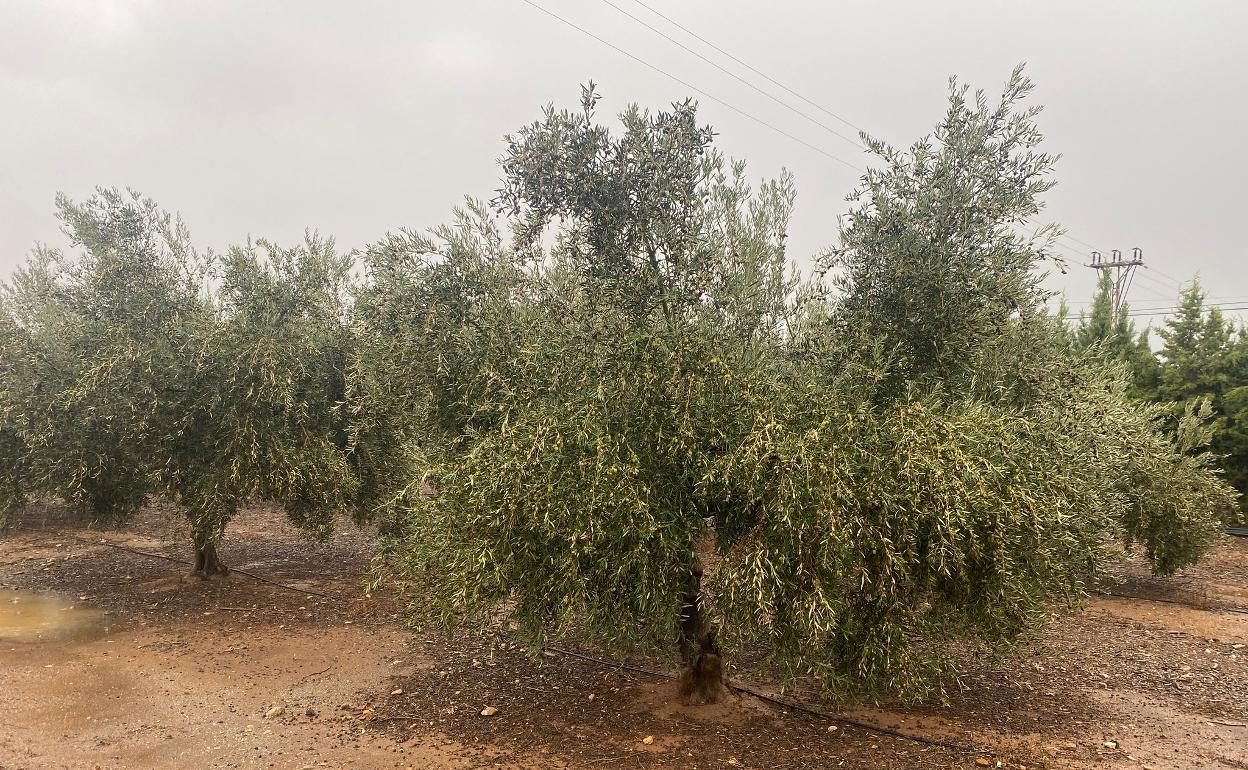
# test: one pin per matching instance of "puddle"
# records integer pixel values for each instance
(30, 616)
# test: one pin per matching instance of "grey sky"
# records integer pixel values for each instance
(264, 118)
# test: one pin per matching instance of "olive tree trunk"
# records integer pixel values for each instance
(207, 562)
(701, 679)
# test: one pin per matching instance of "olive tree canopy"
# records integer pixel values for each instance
(634, 424)
(141, 366)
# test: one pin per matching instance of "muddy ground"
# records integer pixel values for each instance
(135, 666)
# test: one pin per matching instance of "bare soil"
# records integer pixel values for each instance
(316, 673)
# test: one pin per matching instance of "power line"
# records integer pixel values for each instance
(1171, 278)
(1169, 284)
(1163, 296)
(761, 74)
(1160, 286)
(737, 77)
(1228, 303)
(1227, 300)
(1232, 307)
(774, 82)
(694, 88)
(1071, 251)
(1170, 313)
(1081, 252)
(1168, 302)
(1083, 243)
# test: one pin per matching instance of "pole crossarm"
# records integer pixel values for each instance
(1121, 272)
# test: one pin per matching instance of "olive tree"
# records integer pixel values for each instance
(270, 380)
(97, 342)
(564, 395)
(938, 468)
(637, 426)
(145, 367)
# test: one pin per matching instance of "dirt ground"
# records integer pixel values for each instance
(112, 659)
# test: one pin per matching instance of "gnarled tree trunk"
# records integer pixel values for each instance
(207, 562)
(702, 678)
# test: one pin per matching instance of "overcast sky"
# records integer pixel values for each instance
(353, 118)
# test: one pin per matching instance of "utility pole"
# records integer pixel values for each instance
(1123, 271)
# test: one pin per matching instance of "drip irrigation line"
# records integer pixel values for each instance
(295, 589)
(778, 701)
(1190, 605)
(149, 554)
(609, 663)
(251, 575)
(795, 706)
(1139, 598)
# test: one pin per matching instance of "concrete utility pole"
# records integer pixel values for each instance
(1123, 273)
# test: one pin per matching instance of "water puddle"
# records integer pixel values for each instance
(36, 616)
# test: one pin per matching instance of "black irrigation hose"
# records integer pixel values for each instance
(782, 702)
(609, 663)
(1162, 599)
(251, 575)
(1237, 531)
(795, 706)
